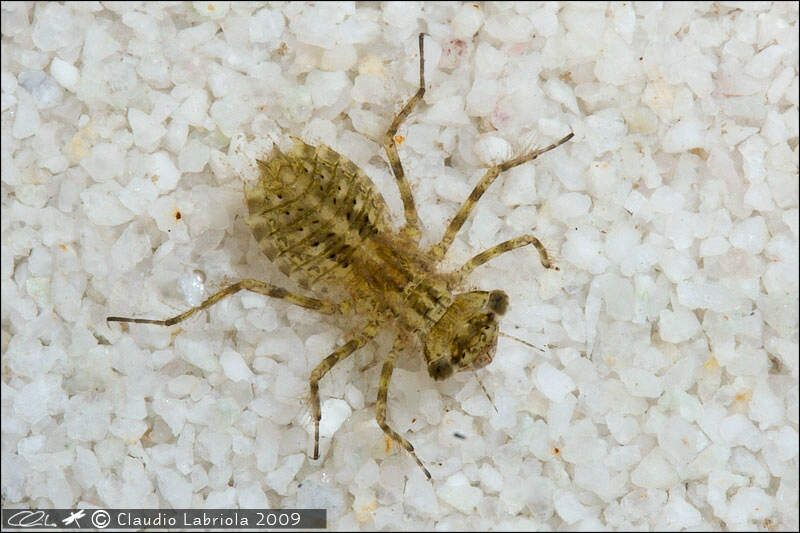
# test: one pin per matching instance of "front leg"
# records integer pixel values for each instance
(507, 246)
(412, 227)
(380, 409)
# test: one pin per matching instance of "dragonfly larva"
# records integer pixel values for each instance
(321, 221)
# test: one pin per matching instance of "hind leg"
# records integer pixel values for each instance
(252, 285)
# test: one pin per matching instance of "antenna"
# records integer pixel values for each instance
(484, 390)
(526, 343)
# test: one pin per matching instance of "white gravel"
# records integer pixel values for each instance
(664, 392)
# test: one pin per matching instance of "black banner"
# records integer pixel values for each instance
(164, 518)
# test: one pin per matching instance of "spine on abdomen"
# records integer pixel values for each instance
(311, 211)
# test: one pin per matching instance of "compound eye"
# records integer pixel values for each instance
(440, 369)
(498, 302)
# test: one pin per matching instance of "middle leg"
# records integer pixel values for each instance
(324, 367)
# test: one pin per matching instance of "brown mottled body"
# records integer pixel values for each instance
(321, 220)
(323, 223)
